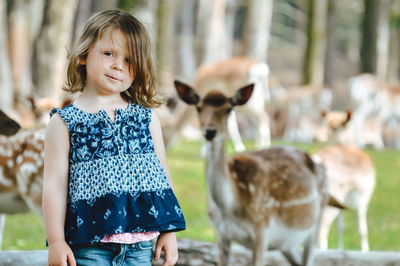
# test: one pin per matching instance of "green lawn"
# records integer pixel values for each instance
(26, 231)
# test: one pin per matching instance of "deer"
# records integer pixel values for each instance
(21, 169)
(376, 104)
(351, 177)
(300, 103)
(228, 74)
(265, 199)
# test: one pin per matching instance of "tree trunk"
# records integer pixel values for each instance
(83, 12)
(17, 42)
(394, 57)
(6, 86)
(383, 40)
(101, 5)
(49, 59)
(32, 18)
(368, 52)
(166, 44)
(257, 29)
(204, 10)
(146, 12)
(316, 43)
(330, 44)
(215, 40)
(187, 58)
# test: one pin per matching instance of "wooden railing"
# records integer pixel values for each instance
(197, 253)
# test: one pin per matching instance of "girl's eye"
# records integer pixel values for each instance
(108, 53)
(127, 60)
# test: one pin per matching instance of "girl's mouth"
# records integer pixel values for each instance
(113, 78)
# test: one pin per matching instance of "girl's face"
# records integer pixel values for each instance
(108, 70)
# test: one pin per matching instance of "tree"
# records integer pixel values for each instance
(257, 29)
(316, 43)
(165, 43)
(383, 40)
(50, 48)
(368, 51)
(212, 35)
(186, 54)
(25, 19)
(6, 86)
(330, 44)
(394, 54)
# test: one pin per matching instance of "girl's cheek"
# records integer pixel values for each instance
(107, 61)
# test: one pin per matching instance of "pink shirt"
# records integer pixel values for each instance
(129, 238)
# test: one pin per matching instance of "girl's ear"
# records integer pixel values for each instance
(82, 60)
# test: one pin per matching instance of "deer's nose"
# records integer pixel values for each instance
(210, 134)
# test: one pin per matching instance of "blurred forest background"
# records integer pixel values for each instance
(317, 43)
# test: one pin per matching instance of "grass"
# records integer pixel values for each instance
(26, 231)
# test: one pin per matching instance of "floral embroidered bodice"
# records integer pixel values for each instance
(116, 182)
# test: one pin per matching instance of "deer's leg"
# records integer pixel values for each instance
(358, 129)
(2, 223)
(308, 251)
(328, 215)
(362, 227)
(292, 256)
(233, 129)
(397, 136)
(259, 248)
(224, 247)
(264, 134)
(378, 142)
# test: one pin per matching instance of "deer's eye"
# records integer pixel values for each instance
(228, 110)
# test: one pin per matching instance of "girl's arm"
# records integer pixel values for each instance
(166, 241)
(55, 187)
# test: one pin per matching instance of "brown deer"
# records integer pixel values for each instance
(265, 199)
(351, 177)
(21, 170)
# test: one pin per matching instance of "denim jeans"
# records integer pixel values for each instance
(110, 254)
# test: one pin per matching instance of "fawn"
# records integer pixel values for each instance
(21, 169)
(350, 173)
(265, 199)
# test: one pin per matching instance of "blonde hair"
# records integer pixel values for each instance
(142, 89)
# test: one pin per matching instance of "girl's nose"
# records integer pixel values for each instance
(117, 64)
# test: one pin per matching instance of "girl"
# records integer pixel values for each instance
(107, 189)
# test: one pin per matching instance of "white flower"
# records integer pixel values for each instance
(153, 211)
(178, 211)
(79, 221)
(171, 227)
(119, 230)
(107, 214)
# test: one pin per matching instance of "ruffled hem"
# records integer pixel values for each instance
(125, 213)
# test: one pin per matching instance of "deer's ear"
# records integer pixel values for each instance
(242, 95)
(349, 113)
(186, 93)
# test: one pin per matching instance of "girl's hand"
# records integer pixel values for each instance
(167, 242)
(60, 253)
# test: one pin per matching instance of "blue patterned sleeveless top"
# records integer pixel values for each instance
(116, 182)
